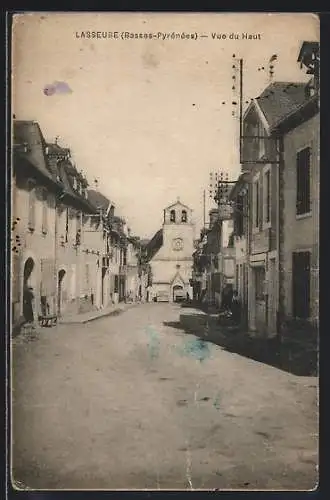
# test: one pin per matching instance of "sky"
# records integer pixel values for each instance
(145, 117)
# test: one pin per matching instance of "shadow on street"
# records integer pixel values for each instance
(290, 356)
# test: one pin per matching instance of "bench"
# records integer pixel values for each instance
(48, 320)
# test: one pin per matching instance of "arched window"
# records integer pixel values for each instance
(184, 216)
(172, 215)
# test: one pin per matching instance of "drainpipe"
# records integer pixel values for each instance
(247, 277)
(280, 235)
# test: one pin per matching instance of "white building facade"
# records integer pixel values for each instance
(172, 259)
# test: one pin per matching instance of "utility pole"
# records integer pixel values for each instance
(204, 208)
(240, 106)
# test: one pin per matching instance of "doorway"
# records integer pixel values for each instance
(61, 275)
(104, 272)
(260, 299)
(28, 268)
(178, 293)
(301, 284)
(28, 290)
(272, 297)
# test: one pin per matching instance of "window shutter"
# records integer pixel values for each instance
(303, 181)
(260, 204)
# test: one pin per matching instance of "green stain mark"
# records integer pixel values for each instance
(196, 348)
(216, 402)
(154, 343)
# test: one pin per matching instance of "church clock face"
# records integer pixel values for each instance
(177, 244)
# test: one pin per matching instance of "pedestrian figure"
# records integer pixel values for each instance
(236, 308)
(227, 297)
(28, 304)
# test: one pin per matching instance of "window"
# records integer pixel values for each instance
(303, 182)
(261, 141)
(301, 284)
(44, 211)
(256, 205)
(239, 217)
(267, 199)
(32, 206)
(184, 216)
(172, 216)
(116, 284)
(260, 276)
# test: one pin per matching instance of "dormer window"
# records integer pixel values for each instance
(184, 216)
(172, 215)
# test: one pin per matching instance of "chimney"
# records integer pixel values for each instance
(309, 57)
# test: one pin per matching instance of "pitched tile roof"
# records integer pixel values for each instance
(155, 244)
(67, 172)
(98, 200)
(177, 203)
(28, 132)
(280, 99)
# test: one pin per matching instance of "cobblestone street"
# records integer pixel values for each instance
(128, 402)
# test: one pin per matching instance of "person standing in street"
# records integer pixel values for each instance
(28, 298)
(236, 308)
(227, 297)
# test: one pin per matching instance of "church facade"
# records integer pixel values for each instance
(170, 255)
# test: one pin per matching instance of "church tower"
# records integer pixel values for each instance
(172, 264)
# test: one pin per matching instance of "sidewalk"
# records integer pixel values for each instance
(292, 354)
(94, 315)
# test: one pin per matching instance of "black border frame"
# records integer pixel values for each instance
(324, 253)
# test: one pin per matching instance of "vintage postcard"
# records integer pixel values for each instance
(164, 251)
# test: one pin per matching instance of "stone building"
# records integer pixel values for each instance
(239, 197)
(76, 269)
(102, 226)
(170, 254)
(34, 194)
(300, 209)
(280, 163)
